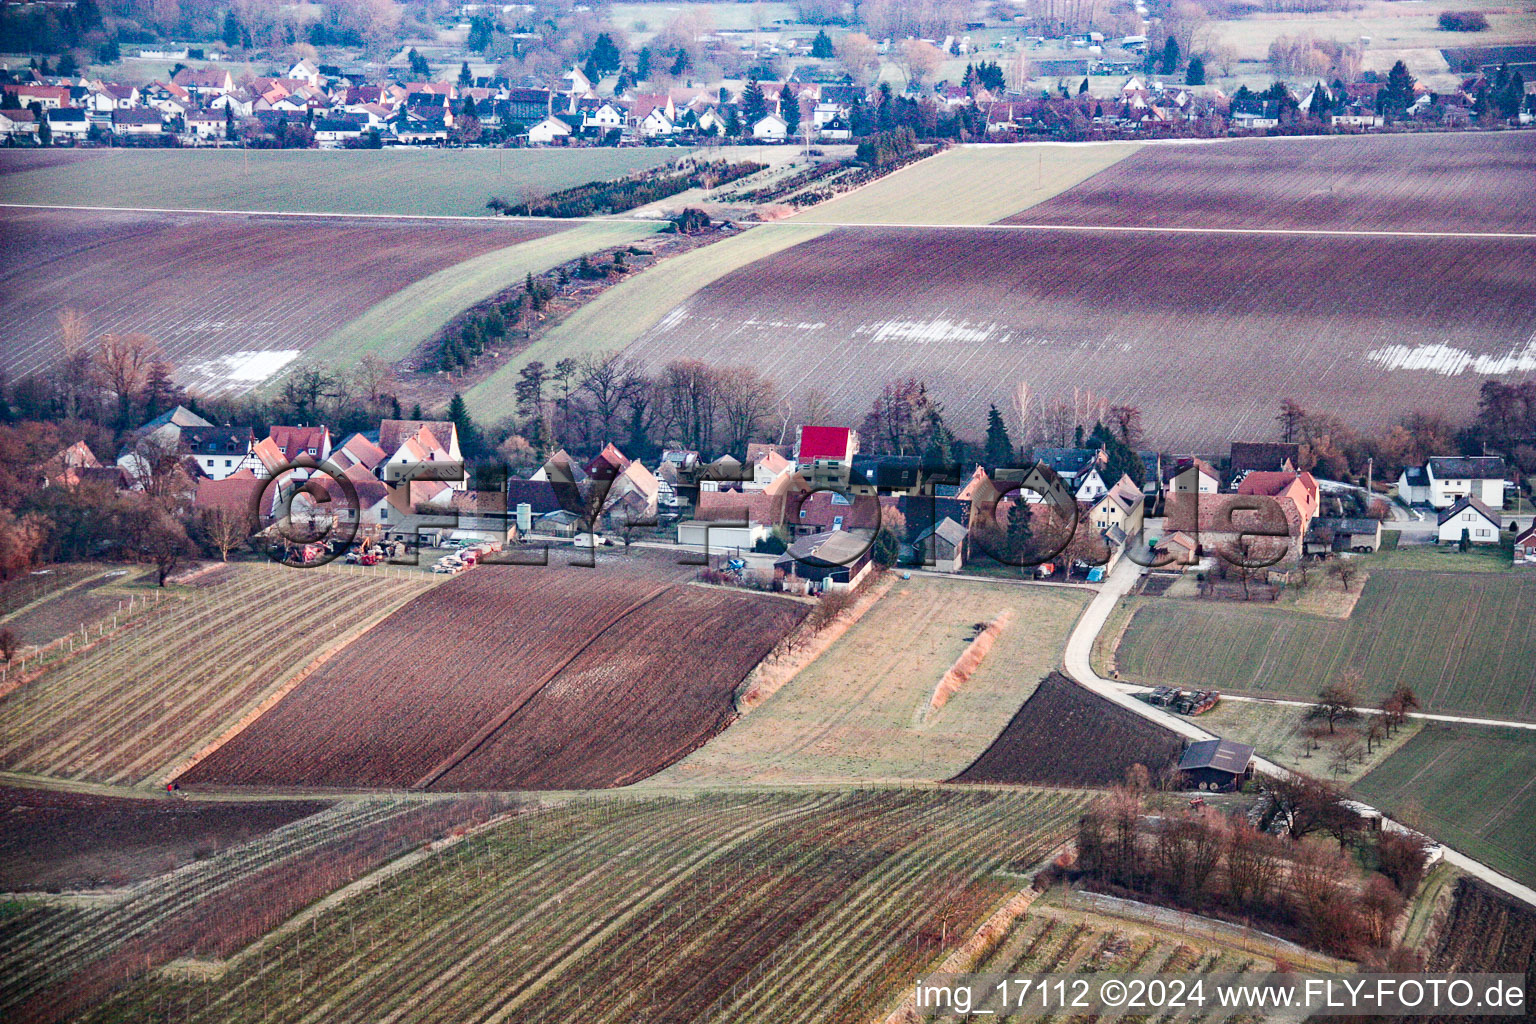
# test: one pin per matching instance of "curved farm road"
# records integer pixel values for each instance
(1079, 665)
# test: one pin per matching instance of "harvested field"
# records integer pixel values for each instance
(1474, 787)
(1462, 640)
(229, 300)
(518, 676)
(133, 705)
(1065, 735)
(1254, 318)
(421, 182)
(52, 840)
(1458, 182)
(624, 312)
(975, 184)
(765, 907)
(861, 710)
(57, 958)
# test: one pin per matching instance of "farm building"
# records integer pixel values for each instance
(943, 546)
(834, 560)
(1216, 764)
(1348, 534)
(716, 538)
(1177, 552)
(1442, 481)
(1525, 546)
(1472, 518)
(1264, 456)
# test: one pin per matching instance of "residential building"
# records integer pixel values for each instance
(1443, 480)
(824, 455)
(219, 451)
(1471, 518)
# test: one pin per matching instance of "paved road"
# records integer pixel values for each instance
(1459, 719)
(1079, 665)
(859, 225)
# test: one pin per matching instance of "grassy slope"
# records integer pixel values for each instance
(853, 713)
(970, 185)
(394, 327)
(422, 182)
(1473, 786)
(1462, 640)
(624, 312)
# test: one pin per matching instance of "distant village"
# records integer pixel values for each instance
(813, 516)
(315, 105)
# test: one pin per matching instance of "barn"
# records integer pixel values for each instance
(1217, 764)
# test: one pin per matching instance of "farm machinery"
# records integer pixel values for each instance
(1184, 702)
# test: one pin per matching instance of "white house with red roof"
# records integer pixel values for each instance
(301, 441)
(357, 450)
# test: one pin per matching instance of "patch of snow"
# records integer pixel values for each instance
(1449, 360)
(239, 369)
(926, 331)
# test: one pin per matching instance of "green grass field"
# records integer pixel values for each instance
(857, 711)
(1472, 786)
(420, 182)
(626, 311)
(1442, 557)
(394, 327)
(970, 184)
(1463, 641)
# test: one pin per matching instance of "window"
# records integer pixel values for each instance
(228, 463)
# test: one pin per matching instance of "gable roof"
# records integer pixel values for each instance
(1264, 482)
(1223, 755)
(1226, 514)
(235, 493)
(392, 433)
(1181, 466)
(1480, 467)
(830, 511)
(1263, 455)
(1469, 502)
(539, 495)
(296, 441)
(358, 450)
(1527, 537)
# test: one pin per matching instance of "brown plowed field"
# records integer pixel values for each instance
(401, 703)
(643, 695)
(229, 299)
(1442, 182)
(1066, 735)
(59, 840)
(1206, 333)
